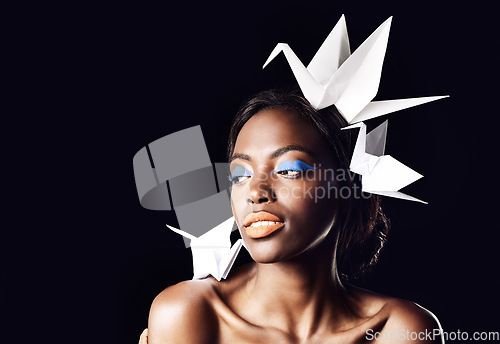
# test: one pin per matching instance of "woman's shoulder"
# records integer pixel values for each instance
(403, 319)
(190, 311)
(412, 321)
(183, 313)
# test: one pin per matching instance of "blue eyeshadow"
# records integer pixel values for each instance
(297, 165)
(239, 172)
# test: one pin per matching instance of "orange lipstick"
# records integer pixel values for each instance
(261, 224)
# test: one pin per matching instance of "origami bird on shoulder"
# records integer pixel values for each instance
(212, 251)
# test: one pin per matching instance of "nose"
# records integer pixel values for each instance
(260, 200)
(260, 190)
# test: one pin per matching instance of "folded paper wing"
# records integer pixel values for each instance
(380, 174)
(384, 107)
(350, 82)
(212, 251)
(331, 55)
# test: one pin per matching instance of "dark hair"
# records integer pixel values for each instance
(364, 227)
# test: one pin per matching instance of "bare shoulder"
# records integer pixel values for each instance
(183, 313)
(417, 323)
(410, 314)
(404, 321)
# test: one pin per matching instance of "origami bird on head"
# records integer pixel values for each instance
(380, 174)
(350, 82)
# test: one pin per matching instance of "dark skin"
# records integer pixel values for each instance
(291, 293)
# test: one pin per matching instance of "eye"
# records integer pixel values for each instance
(289, 173)
(238, 179)
(290, 170)
(239, 175)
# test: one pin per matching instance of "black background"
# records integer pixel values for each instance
(82, 260)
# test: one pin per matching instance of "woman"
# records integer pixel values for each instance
(308, 229)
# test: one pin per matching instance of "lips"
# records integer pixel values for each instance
(261, 224)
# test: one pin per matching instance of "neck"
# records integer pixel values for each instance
(300, 294)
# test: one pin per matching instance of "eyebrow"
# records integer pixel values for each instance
(278, 152)
(240, 156)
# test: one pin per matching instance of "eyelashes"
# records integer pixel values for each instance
(239, 175)
(295, 166)
(286, 169)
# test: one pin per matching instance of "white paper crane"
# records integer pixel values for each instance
(380, 174)
(349, 81)
(212, 252)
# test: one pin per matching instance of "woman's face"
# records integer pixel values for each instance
(283, 193)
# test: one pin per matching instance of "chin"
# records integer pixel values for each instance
(265, 251)
(273, 251)
(268, 258)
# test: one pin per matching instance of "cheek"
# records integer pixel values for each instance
(311, 207)
(238, 203)
(306, 194)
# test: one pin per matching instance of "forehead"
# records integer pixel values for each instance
(271, 129)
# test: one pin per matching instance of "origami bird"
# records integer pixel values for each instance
(334, 76)
(212, 251)
(380, 174)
